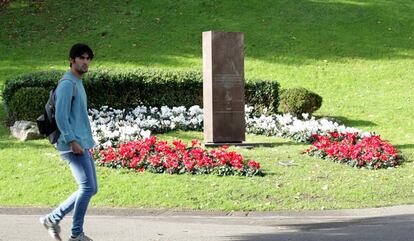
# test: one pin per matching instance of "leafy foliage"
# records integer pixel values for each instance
(299, 100)
(24, 104)
(149, 87)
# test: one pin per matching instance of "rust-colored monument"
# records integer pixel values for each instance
(223, 87)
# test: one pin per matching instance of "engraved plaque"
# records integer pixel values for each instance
(223, 87)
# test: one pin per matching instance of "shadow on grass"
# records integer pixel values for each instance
(350, 122)
(183, 135)
(6, 143)
(276, 144)
(397, 228)
(407, 151)
(289, 32)
(404, 146)
(187, 136)
(270, 173)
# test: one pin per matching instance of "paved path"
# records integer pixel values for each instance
(380, 224)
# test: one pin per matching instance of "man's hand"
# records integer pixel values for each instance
(76, 148)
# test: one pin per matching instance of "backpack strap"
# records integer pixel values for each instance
(74, 92)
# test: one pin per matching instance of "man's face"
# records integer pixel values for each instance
(81, 64)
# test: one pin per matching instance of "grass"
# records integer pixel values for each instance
(44, 180)
(356, 54)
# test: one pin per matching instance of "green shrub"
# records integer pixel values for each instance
(127, 89)
(44, 79)
(262, 95)
(27, 104)
(149, 87)
(299, 100)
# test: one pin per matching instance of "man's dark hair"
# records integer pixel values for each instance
(78, 50)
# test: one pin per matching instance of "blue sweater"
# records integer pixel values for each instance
(72, 115)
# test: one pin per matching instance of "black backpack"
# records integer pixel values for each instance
(47, 122)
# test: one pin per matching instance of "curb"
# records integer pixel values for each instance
(133, 212)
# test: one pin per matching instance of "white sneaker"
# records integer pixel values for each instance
(81, 237)
(52, 228)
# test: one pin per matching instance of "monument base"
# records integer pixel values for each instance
(238, 144)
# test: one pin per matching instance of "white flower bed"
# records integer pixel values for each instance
(112, 126)
(288, 126)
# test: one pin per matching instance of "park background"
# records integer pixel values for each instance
(358, 55)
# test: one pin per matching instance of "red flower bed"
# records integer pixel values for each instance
(370, 152)
(160, 157)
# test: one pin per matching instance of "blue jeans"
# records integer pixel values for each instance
(83, 170)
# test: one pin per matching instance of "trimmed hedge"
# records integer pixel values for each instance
(27, 103)
(120, 89)
(43, 79)
(299, 100)
(149, 87)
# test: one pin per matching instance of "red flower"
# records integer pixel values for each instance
(155, 160)
(366, 151)
(253, 164)
(179, 145)
(334, 134)
(134, 162)
(195, 143)
(159, 156)
(189, 164)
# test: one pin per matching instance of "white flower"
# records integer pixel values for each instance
(111, 126)
(178, 110)
(179, 119)
(154, 110)
(139, 110)
(194, 121)
(366, 134)
(165, 112)
(145, 133)
(195, 110)
(107, 144)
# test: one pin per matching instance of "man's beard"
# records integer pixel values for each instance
(82, 70)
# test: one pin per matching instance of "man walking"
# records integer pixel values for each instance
(74, 142)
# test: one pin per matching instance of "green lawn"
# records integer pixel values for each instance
(358, 55)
